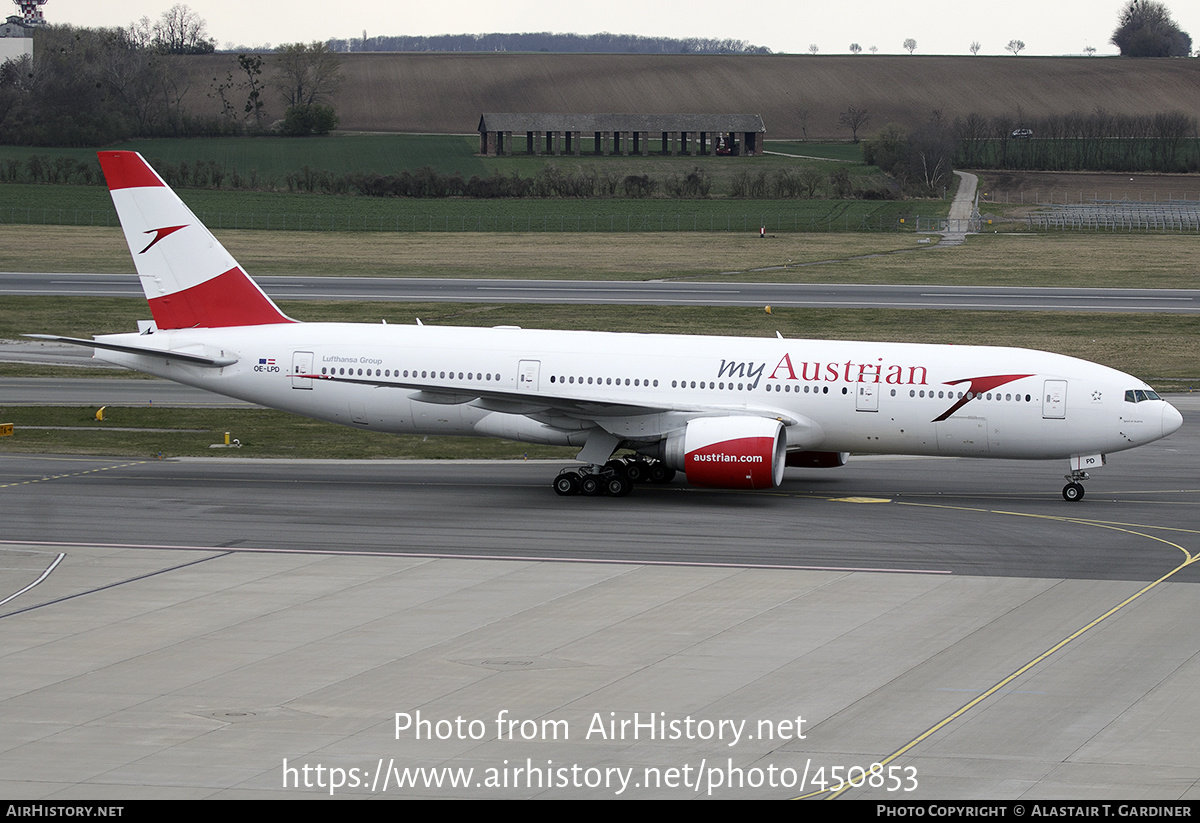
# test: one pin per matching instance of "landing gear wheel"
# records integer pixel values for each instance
(636, 471)
(567, 483)
(590, 485)
(660, 473)
(617, 485)
(1073, 492)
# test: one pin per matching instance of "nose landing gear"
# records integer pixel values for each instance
(1073, 491)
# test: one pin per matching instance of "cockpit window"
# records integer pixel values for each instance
(1138, 395)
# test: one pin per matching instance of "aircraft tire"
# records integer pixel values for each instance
(566, 484)
(590, 485)
(635, 470)
(1073, 492)
(617, 486)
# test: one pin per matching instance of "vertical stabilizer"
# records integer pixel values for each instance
(188, 277)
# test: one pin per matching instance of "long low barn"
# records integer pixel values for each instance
(625, 134)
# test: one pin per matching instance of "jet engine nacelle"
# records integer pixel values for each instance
(817, 460)
(729, 452)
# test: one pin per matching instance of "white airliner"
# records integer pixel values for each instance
(728, 412)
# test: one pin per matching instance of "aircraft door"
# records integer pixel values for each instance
(302, 363)
(1054, 399)
(527, 375)
(867, 398)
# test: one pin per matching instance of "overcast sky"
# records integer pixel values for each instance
(1048, 27)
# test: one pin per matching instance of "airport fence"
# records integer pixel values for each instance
(646, 222)
(1179, 217)
(1080, 197)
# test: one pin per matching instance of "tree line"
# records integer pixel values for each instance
(805, 181)
(604, 43)
(91, 87)
(1076, 141)
(921, 160)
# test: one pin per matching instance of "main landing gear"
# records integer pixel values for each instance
(1073, 491)
(615, 478)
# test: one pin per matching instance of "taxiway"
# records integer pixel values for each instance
(954, 619)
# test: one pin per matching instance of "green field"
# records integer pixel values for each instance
(26, 203)
(267, 169)
(845, 152)
(274, 157)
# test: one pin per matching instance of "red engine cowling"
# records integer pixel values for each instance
(729, 452)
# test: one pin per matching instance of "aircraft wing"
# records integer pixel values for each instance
(531, 404)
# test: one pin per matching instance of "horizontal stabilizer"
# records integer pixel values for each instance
(194, 359)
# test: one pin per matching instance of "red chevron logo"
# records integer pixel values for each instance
(159, 234)
(978, 386)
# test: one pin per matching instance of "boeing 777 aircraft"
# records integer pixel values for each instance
(728, 412)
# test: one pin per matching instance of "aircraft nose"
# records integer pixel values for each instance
(1172, 419)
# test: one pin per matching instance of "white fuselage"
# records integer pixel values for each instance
(832, 396)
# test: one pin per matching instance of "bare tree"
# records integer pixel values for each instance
(855, 48)
(910, 45)
(136, 80)
(181, 31)
(930, 150)
(811, 178)
(973, 136)
(854, 119)
(1015, 46)
(975, 47)
(1089, 50)
(812, 47)
(221, 89)
(874, 49)
(141, 34)
(307, 74)
(252, 65)
(802, 117)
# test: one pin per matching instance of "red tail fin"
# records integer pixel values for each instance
(189, 278)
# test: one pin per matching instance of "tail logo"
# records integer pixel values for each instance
(159, 234)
